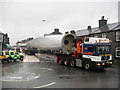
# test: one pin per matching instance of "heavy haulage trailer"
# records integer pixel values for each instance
(89, 52)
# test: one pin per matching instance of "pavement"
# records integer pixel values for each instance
(45, 56)
(29, 58)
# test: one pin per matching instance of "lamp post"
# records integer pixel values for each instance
(1, 41)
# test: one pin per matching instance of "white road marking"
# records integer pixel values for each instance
(15, 77)
(46, 68)
(49, 69)
(37, 76)
(45, 85)
(31, 76)
(42, 68)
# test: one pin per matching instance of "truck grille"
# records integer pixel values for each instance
(105, 57)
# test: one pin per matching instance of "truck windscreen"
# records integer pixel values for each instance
(104, 49)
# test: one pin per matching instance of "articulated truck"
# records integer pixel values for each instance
(88, 52)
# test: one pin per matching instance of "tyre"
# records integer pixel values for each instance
(2, 61)
(72, 63)
(9, 60)
(66, 62)
(60, 62)
(87, 66)
(15, 60)
(21, 58)
(57, 59)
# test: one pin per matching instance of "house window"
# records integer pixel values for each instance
(118, 36)
(117, 51)
(92, 35)
(104, 35)
(96, 35)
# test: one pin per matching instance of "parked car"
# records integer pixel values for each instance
(11, 56)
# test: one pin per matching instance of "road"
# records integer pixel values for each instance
(43, 72)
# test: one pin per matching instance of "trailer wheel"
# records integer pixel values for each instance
(60, 62)
(66, 62)
(72, 64)
(57, 59)
(87, 66)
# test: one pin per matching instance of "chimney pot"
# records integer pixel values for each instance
(103, 18)
(56, 30)
(66, 32)
(72, 31)
(89, 29)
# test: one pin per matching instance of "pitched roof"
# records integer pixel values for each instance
(112, 26)
(1, 32)
(116, 26)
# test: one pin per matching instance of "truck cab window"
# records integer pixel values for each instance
(87, 40)
(90, 49)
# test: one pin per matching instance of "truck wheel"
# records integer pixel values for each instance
(9, 60)
(72, 64)
(66, 62)
(87, 66)
(60, 62)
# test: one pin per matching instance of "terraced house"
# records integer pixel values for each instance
(4, 41)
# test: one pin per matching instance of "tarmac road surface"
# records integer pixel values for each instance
(43, 72)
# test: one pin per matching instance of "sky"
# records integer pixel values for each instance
(22, 19)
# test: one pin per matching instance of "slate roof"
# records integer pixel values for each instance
(1, 32)
(112, 26)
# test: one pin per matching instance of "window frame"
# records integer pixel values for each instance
(117, 35)
(12, 53)
(117, 51)
(90, 49)
(104, 35)
(6, 53)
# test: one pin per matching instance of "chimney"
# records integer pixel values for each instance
(66, 32)
(56, 30)
(89, 29)
(72, 31)
(103, 24)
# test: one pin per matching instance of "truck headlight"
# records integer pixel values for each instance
(110, 62)
(98, 64)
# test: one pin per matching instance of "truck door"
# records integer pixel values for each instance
(88, 49)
